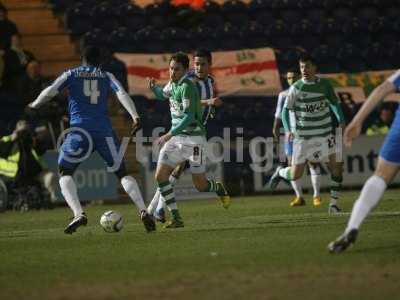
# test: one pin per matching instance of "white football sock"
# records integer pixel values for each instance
(371, 193)
(296, 184)
(154, 202)
(172, 179)
(161, 203)
(70, 193)
(315, 180)
(132, 189)
(157, 202)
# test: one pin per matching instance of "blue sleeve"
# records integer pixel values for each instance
(187, 119)
(395, 79)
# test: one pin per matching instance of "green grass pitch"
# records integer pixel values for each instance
(259, 248)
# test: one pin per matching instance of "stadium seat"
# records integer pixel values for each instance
(264, 17)
(206, 37)
(176, 39)
(300, 28)
(132, 16)
(342, 13)
(122, 39)
(253, 35)
(78, 19)
(291, 16)
(95, 37)
(235, 12)
(104, 16)
(316, 15)
(156, 14)
(229, 37)
(149, 39)
(367, 13)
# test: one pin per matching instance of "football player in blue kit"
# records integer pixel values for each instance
(89, 88)
(387, 167)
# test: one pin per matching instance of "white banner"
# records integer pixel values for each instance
(359, 164)
(242, 72)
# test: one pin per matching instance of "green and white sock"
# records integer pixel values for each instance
(215, 187)
(168, 195)
(336, 187)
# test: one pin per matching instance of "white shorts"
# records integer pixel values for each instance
(181, 148)
(314, 150)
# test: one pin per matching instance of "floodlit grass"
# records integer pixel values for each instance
(259, 248)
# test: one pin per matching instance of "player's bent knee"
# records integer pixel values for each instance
(66, 172)
(201, 186)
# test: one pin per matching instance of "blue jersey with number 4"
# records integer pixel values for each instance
(88, 89)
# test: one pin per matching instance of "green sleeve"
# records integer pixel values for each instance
(187, 119)
(337, 110)
(330, 93)
(285, 119)
(190, 96)
(158, 92)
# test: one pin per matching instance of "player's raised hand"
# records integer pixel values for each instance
(352, 132)
(136, 125)
(151, 82)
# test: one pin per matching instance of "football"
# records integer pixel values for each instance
(111, 221)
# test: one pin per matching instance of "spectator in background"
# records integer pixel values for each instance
(382, 125)
(24, 56)
(7, 28)
(349, 108)
(20, 163)
(32, 82)
(12, 69)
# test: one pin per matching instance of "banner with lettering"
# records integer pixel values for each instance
(358, 86)
(242, 72)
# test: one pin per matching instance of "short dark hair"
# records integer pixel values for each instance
(203, 53)
(292, 70)
(92, 55)
(304, 57)
(181, 58)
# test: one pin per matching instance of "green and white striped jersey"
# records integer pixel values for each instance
(310, 103)
(184, 97)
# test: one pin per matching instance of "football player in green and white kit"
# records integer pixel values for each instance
(186, 138)
(205, 84)
(312, 99)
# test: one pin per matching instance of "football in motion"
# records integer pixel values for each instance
(111, 221)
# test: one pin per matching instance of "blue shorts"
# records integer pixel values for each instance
(289, 148)
(79, 144)
(390, 150)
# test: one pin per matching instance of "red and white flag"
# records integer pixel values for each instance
(242, 72)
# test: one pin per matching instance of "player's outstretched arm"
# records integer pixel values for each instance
(123, 96)
(158, 92)
(353, 130)
(48, 93)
